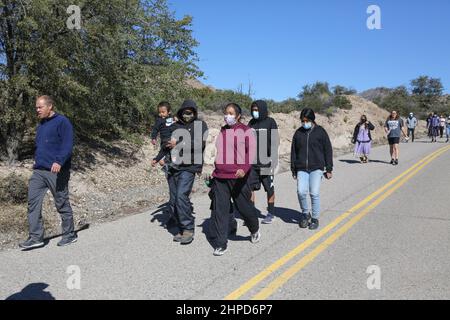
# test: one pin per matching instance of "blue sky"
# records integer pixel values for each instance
(279, 46)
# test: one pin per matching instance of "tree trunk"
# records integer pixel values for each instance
(13, 139)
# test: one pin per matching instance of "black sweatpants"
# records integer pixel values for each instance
(222, 221)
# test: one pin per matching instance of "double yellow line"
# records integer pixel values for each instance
(384, 191)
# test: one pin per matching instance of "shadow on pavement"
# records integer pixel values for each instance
(48, 239)
(287, 215)
(351, 161)
(34, 291)
(164, 218)
(231, 237)
(359, 162)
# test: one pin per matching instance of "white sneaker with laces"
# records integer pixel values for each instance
(220, 252)
(256, 237)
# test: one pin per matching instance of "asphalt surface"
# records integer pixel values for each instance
(406, 236)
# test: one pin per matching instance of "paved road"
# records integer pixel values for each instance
(403, 230)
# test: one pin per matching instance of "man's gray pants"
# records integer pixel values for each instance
(40, 182)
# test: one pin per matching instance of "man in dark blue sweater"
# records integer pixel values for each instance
(51, 171)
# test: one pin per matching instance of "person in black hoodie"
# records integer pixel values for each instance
(268, 142)
(188, 146)
(311, 155)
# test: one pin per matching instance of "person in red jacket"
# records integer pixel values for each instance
(236, 152)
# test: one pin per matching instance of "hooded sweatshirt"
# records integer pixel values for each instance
(266, 129)
(411, 122)
(236, 148)
(435, 121)
(196, 132)
(311, 150)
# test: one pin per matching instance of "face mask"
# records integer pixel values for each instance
(230, 120)
(363, 120)
(307, 125)
(187, 118)
(255, 115)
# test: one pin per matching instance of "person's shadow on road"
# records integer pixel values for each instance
(162, 215)
(287, 215)
(231, 237)
(34, 291)
(47, 240)
(359, 162)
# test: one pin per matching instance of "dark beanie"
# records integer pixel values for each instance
(308, 114)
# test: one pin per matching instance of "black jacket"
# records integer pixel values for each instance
(311, 150)
(197, 131)
(356, 132)
(266, 127)
(163, 127)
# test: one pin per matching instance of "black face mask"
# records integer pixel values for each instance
(188, 117)
(363, 120)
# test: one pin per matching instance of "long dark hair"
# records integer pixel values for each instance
(365, 122)
(396, 118)
(308, 114)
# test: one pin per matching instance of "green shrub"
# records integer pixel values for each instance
(342, 102)
(13, 189)
(330, 111)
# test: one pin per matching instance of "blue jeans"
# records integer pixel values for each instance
(448, 132)
(309, 184)
(181, 183)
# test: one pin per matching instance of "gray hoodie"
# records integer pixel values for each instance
(411, 122)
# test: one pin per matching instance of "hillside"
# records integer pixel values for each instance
(120, 182)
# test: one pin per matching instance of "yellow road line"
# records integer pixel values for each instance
(317, 236)
(282, 279)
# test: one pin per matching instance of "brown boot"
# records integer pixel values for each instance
(187, 238)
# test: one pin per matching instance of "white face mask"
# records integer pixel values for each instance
(307, 125)
(230, 120)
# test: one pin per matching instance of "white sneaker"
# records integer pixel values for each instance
(220, 252)
(256, 237)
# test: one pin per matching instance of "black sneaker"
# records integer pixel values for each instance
(314, 225)
(304, 220)
(392, 161)
(31, 244)
(396, 162)
(218, 252)
(67, 242)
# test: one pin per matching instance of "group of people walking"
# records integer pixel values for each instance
(438, 126)
(246, 161)
(394, 128)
